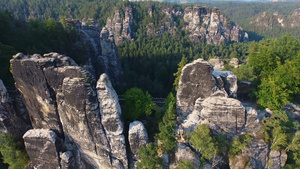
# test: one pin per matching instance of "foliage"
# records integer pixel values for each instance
(203, 141)
(238, 144)
(167, 127)
(149, 157)
(13, 152)
(181, 64)
(137, 103)
(185, 164)
(294, 148)
(245, 73)
(278, 129)
(276, 66)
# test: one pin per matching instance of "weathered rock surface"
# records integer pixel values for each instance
(217, 63)
(207, 25)
(61, 96)
(228, 81)
(254, 156)
(137, 137)
(277, 159)
(43, 147)
(13, 115)
(184, 152)
(120, 27)
(224, 114)
(196, 81)
(111, 119)
(101, 52)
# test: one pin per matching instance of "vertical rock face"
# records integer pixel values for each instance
(61, 96)
(120, 27)
(111, 118)
(210, 26)
(43, 147)
(137, 137)
(13, 116)
(102, 52)
(196, 81)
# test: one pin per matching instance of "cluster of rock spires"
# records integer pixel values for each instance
(204, 25)
(208, 96)
(102, 54)
(269, 20)
(76, 120)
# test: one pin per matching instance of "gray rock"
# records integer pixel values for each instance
(207, 25)
(111, 119)
(61, 96)
(137, 137)
(277, 159)
(119, 27)
(184, 152)
(43, 146)
(67, 160)
(226, 115)
(13, 116)
(196, 81)
(230, 81)
(254, 156)
(217, 63)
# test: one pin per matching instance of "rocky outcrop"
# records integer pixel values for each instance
(270, 20)
(234, 62)
(196, 81)
(254, 156)
(184, 152)
(207, 25)
(43, 147)
(62, 97)
(119, 26)
(223, 114)
(13, 115)
(277, 159)
(217, 63)
(111, 118)
(137, 137)
(102, 55)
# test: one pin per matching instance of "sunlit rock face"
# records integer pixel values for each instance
(62, 98)
(207, 25)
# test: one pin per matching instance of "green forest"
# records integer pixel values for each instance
(152, 66)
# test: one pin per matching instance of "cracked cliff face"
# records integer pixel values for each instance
(62, 97)
(210, 26)
(213, 102)
(120, 27)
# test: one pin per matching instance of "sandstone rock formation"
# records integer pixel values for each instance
(13, 115)
(217, 63)
(43, 147)
(120, 27)
(102, 55)
(62, 97)
(137, 137)
(210, 26)
(111, 118)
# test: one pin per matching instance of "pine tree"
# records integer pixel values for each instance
(181, 64)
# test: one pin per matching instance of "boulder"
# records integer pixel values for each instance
(217, 63)
(43, 147)
(196, 81)
(184, 152)
(277, 159)
(229, 80)
(137, 137)
(226, 115)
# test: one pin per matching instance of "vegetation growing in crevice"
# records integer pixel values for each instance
(13, 152)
